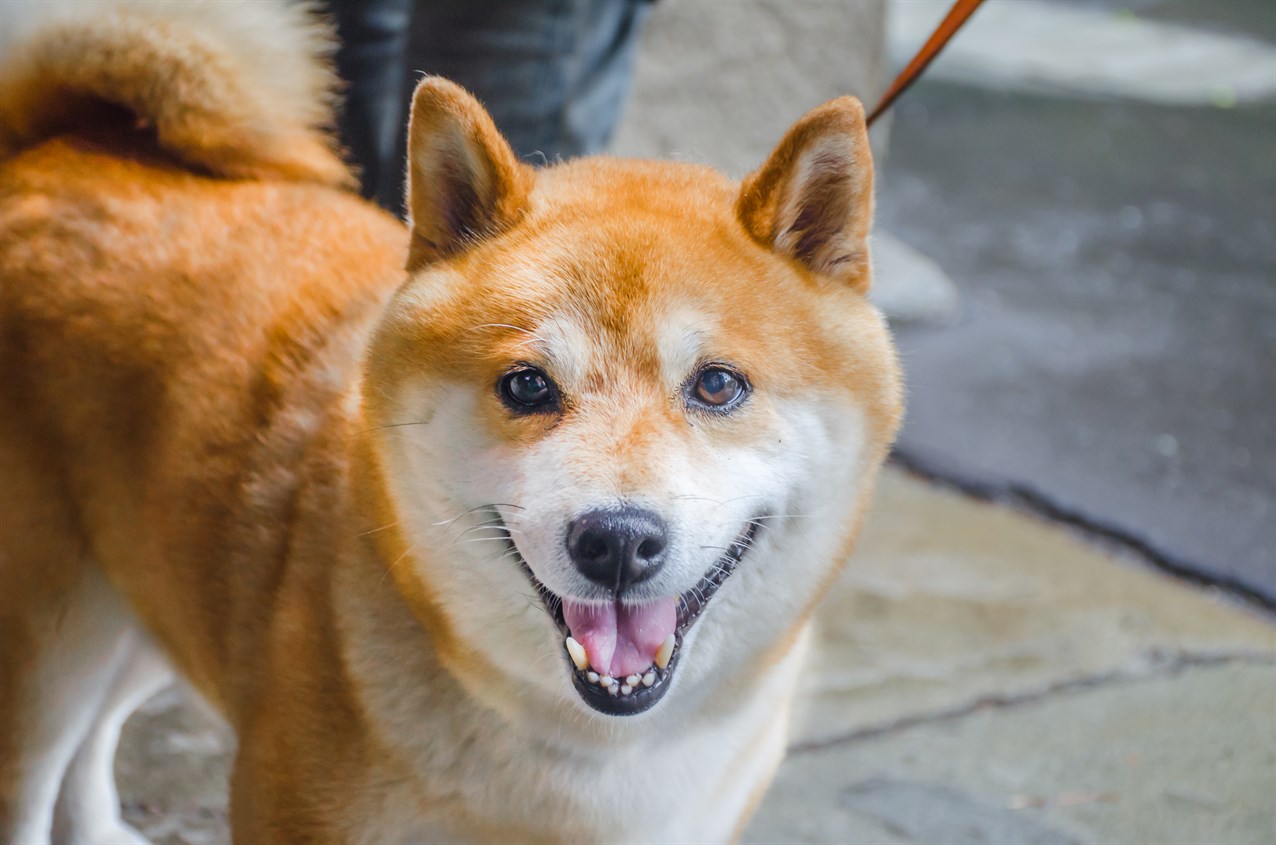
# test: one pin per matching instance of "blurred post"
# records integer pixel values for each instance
(721, 82)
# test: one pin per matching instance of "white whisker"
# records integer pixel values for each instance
(391, 567)
(375, 530)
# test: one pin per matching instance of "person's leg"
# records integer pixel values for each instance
(554, 74)
(373, 34)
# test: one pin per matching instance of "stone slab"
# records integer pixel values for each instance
(950, 601)
(908, 286)
(1185, 758)
(719, 83)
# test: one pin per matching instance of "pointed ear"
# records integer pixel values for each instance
(464, 181)
(813, 198)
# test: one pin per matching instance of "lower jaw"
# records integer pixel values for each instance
(626, 696)
(613, 699)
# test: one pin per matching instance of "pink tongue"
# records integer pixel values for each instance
(620, 639)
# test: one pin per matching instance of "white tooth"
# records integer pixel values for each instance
(648, 679)
(666, 652)
(606, 681)
(578, 655)
(625, 689)
(632, 680)
(592, 676)
(613, 690)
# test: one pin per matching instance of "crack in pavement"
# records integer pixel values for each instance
(1160, 664)
(1033, 500)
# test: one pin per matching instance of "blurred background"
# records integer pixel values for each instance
(1058, 628)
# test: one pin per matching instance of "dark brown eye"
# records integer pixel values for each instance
(718, 388)
(528, 391)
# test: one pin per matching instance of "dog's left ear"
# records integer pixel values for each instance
(813, 198)
(464, 181)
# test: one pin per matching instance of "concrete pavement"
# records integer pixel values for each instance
(1104, 763)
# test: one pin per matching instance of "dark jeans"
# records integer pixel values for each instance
(554, 73)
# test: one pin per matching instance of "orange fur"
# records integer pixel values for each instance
(237, 92)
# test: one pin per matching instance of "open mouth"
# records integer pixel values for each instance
(623, 657)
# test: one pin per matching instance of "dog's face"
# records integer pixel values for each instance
(627, 413)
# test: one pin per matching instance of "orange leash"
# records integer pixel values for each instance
(953, 21)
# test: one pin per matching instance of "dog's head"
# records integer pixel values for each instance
(627, 414)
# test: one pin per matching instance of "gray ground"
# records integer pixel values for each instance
(1116, 351)
(982, 674)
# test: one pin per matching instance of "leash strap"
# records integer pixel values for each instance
(953, 21)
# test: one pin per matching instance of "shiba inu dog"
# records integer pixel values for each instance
(520, 544)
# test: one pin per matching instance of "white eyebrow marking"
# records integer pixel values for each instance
(681, 341)
(566, 346)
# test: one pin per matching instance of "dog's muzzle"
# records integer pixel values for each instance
(623, 655)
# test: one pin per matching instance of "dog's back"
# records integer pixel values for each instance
(162, 343)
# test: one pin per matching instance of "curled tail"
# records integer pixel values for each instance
(236, 88)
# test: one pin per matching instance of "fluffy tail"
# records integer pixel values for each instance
(237, 88)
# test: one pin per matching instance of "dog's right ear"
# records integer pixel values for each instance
(464, 181)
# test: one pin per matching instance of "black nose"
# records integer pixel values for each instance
(618, 548)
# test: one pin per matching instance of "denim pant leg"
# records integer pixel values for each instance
(373, 35)
(555, 74)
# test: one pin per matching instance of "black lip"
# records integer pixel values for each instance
(691, 605)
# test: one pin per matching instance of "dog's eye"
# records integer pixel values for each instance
(718, 388)
(528, 391)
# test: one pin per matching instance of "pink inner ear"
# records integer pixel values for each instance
(822, 209)
(820, 217)
(813, 197)
(456, 173)
(465, 183)
(463, 209)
